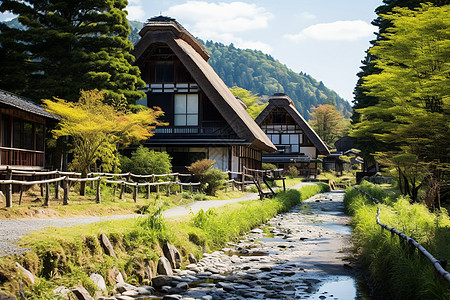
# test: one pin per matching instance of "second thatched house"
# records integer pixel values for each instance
(297, 143)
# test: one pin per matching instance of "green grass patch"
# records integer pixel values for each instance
(67, 256)
(394, 270)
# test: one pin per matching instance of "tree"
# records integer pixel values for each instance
(251, 100)
(67, 46)
(96, 129)
(413, 88)
(329, 123)
(362, 99)
(145, 161)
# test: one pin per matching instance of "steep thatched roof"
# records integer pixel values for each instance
(283, 101)
(194, 57)
(25, 104)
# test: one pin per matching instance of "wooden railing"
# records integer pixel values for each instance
(21, 157)
(408, 240)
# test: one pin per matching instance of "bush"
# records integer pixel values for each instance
(214, 179)
(199, 167)
(267, 166)
(144, 161)
(293, 172)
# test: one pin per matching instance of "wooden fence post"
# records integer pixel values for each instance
(57, 185)
(243, 179)
(157, 189)
(191, 188)
(168, 189)
(8, 195)
(135, 192)
(148, 191)
(47, 194)
(122, 190)
(21, 193)
(98, 197)
(66, 191)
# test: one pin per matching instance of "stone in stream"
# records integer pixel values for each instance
(99, 282)
(161, 280)
(164, 267)
(81, 293)
(173, 255)
(192, 258)
(109, 250)
(122, 287)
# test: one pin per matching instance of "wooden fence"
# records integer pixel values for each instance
(63, 177)
(410, 242)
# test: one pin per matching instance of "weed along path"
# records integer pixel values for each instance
(301, 254)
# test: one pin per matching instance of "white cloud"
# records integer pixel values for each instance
(223, 22)
(306, 16)
(135, 11)
(335, 31)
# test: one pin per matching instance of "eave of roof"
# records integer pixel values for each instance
(24, 104)
(285, 102)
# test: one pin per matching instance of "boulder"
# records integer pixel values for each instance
(81, 293)
(99, 282)
(123, 287)
(7, 297)
(106, 244)
(173, 255)
(61, 291)
(161, 280)
(164, 267)
(114, 276)
(27, 275)
(192, 258)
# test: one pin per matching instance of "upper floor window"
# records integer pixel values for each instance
(186, 110)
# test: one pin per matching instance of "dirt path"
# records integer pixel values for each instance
(12, 230)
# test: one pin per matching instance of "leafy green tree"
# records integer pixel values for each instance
(96, 129)
(362, 99)
(66, 46)
(145, 161)
(254, 104)
(413, 88)
(329, 123)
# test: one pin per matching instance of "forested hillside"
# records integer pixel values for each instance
(262, 74)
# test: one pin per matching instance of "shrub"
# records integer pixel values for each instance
(199, 167)
(293, 172)
(214, 179)
(145, 161)
(267, 166)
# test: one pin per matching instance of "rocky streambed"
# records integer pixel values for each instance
(302, 254)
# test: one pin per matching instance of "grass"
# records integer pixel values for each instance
(32, 203)
(66, 256)
(385, 256)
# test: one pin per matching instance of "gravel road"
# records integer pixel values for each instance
(13, 230)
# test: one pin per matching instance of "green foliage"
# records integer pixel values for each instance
(385, 257)
(63, 47)
(199, 167)
(293, 172)
(329, 123)
(145, 161)
(267, 166)
(411, 116)
(261, 74)
(214, 179)
(254, 104)
(96, 129)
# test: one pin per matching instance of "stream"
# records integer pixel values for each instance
(302, 254)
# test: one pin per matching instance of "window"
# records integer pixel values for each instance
(186, 110)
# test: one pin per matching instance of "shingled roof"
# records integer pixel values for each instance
(194, 57)
(25, 104)
(284, 101)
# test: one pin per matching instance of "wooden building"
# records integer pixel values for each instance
(22, 130)
(204, 119)
(297, 143)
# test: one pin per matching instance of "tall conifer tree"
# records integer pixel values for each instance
(68, 46)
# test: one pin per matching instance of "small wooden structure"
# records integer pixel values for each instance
(297, 143)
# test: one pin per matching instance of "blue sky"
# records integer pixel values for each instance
(324, 38)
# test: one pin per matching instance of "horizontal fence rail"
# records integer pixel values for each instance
(410, 241)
